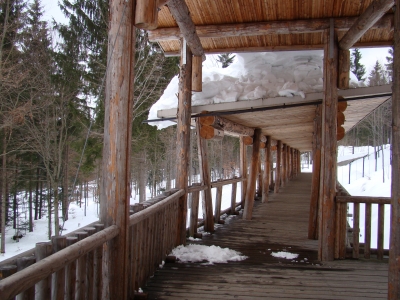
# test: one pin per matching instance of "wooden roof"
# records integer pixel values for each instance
(217, 26)
(266, 25)
(293, 125)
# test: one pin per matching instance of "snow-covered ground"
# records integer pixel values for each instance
(373, 183)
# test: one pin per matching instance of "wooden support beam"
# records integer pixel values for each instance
(267, 171)
(181, 14)
(146, 14)
(284, 165)
(226, 125)
(259, 175)
(316, 152)
(278, 167)
(205, 180)
(394, 253)
(365, 21)
(265, 28)
(344, 69)
(298, 47)
(211, 133)
(328, 182)
(243, 169)
(251, 185)
(115, 192)
(197, 71)
(183, 138)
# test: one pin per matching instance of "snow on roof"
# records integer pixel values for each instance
(253, 76)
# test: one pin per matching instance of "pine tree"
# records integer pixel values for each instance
(226, 59)
(355, 66)
(377, 75)
(389, 65)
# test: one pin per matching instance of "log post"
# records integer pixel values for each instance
(115, 187)
(394, 253)
(284, 164)
(278, 167)
(59, 243)
(233, 198)
(267, 171)
(316, 150)
(146, 14)
(259, 176)
(218, 200)
(23, 263)
(43, 287)
(344, 69)
(70, 273)
(205, 180)
(251, 185)
(243, 169)
(298, 162)
(328, 183)
(287, 176)
(194, 212)
(197, 67)
(183, 137)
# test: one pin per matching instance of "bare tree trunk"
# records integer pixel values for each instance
(37, 194)
(30, 207)
(4, 196)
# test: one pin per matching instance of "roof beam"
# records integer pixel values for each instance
(280, 48)
(365, 21)
(265, 28)
(181, 14)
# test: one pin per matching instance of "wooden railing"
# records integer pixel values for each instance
(71, 267)
(343, 242)
(74, 271)
(195, 190)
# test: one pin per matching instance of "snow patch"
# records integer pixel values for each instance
(284, 254)
(211, 254)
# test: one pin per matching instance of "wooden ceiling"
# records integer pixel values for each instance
(252, 25)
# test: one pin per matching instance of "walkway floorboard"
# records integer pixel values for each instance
(281, 224)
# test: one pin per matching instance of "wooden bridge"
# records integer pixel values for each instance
(279, 225)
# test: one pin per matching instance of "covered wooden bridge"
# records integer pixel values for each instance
(113, 259)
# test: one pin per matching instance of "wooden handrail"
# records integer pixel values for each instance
(196, 188)
(215, 184)
(363, 199)
(24, 279)
(141, 215)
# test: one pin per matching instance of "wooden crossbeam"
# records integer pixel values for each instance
(226, 125)
(265, 28)
(181, 14)
(281, 48)
(365, 21)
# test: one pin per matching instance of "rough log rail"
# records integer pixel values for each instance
(77, 268)
(341, 223)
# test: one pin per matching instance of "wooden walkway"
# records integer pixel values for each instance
(279, 225)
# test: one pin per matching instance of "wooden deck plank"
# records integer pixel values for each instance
(280, 224)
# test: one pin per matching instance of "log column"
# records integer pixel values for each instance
(206, 180)
(183, 137)
(251, 185)
(243, 168)
(313, 218)
(328, 167)
(115, 187)
(394, 253)
(267, 170)
(278, 167)
(284, 165)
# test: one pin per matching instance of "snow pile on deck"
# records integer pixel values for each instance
(254, 76)
(284, 254)
(211, 254)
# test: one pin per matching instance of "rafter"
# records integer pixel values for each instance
(365, 21)
(181, 14)
(265, 28)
